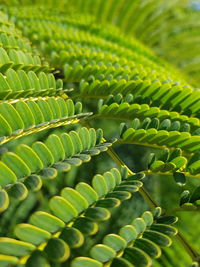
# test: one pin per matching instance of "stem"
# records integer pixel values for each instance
(142, 190)
(117, 159)
(121, 141)
(187, 174)
(193, 254)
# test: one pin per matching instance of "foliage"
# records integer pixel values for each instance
(76, 85)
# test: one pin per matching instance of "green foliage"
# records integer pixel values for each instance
(74, 84)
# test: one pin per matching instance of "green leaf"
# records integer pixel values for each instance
(46, 110)
(43, 153)
(12, 117)
(83, 261)
(128, 134)
(37, 259)
(120, 262)
(70, 107)
(87, 192)
(6, 175)
(99, 136)
(108, 203)
(135, 124)
(167, 219)
(76, 142)
(18, 191)
(8, 260)
(99, 184)
(114, 241)
(31, 234)
(175, 153)
(37, 113)
(165, 124)
(165, 229)
(150, 133)
(78, 108)
(185, 197)
(85, 138)
(159, 138)
(12, 247)
(92, 133)
(102, 253)
(72, 236)
(29, 156)
(148, 246)
(110, 180)
(121, 195)
(137, 257)
(54, 107)
(4, 200)
(154, 123)
(139, 225)
(157, 166)
(62, 166)
(25, 113)
(168, 167)
(4, 84)
(26, 85)
(46, 221)
(33, 183)
(13, 80)
(57, 250)
(180, 162)
(157, 212)
(48, 173)
(62, 208)
(164, 155)
(127, 186)
(97, 214)
(16, 164)
(43, 80)
(52, 142)
(123, 128)
(195, 195)
(74, 161)
(128, 232)
(179, 178)
(195, 157)
(148, 218)
(63, 107)
(75, 198)
(158, 238)
(134, 179)
(5, 128)
(86, 226)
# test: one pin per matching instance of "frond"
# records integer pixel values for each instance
(76, 81)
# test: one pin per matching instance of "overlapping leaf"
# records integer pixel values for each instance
(83, 206)
(28, 116)
(134, 245)
(26, 168)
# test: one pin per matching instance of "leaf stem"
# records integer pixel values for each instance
(193, 254)
(142, 190)
(149, 172)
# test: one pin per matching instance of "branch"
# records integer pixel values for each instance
(142, 190)
(193, 254)
(187, 174)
